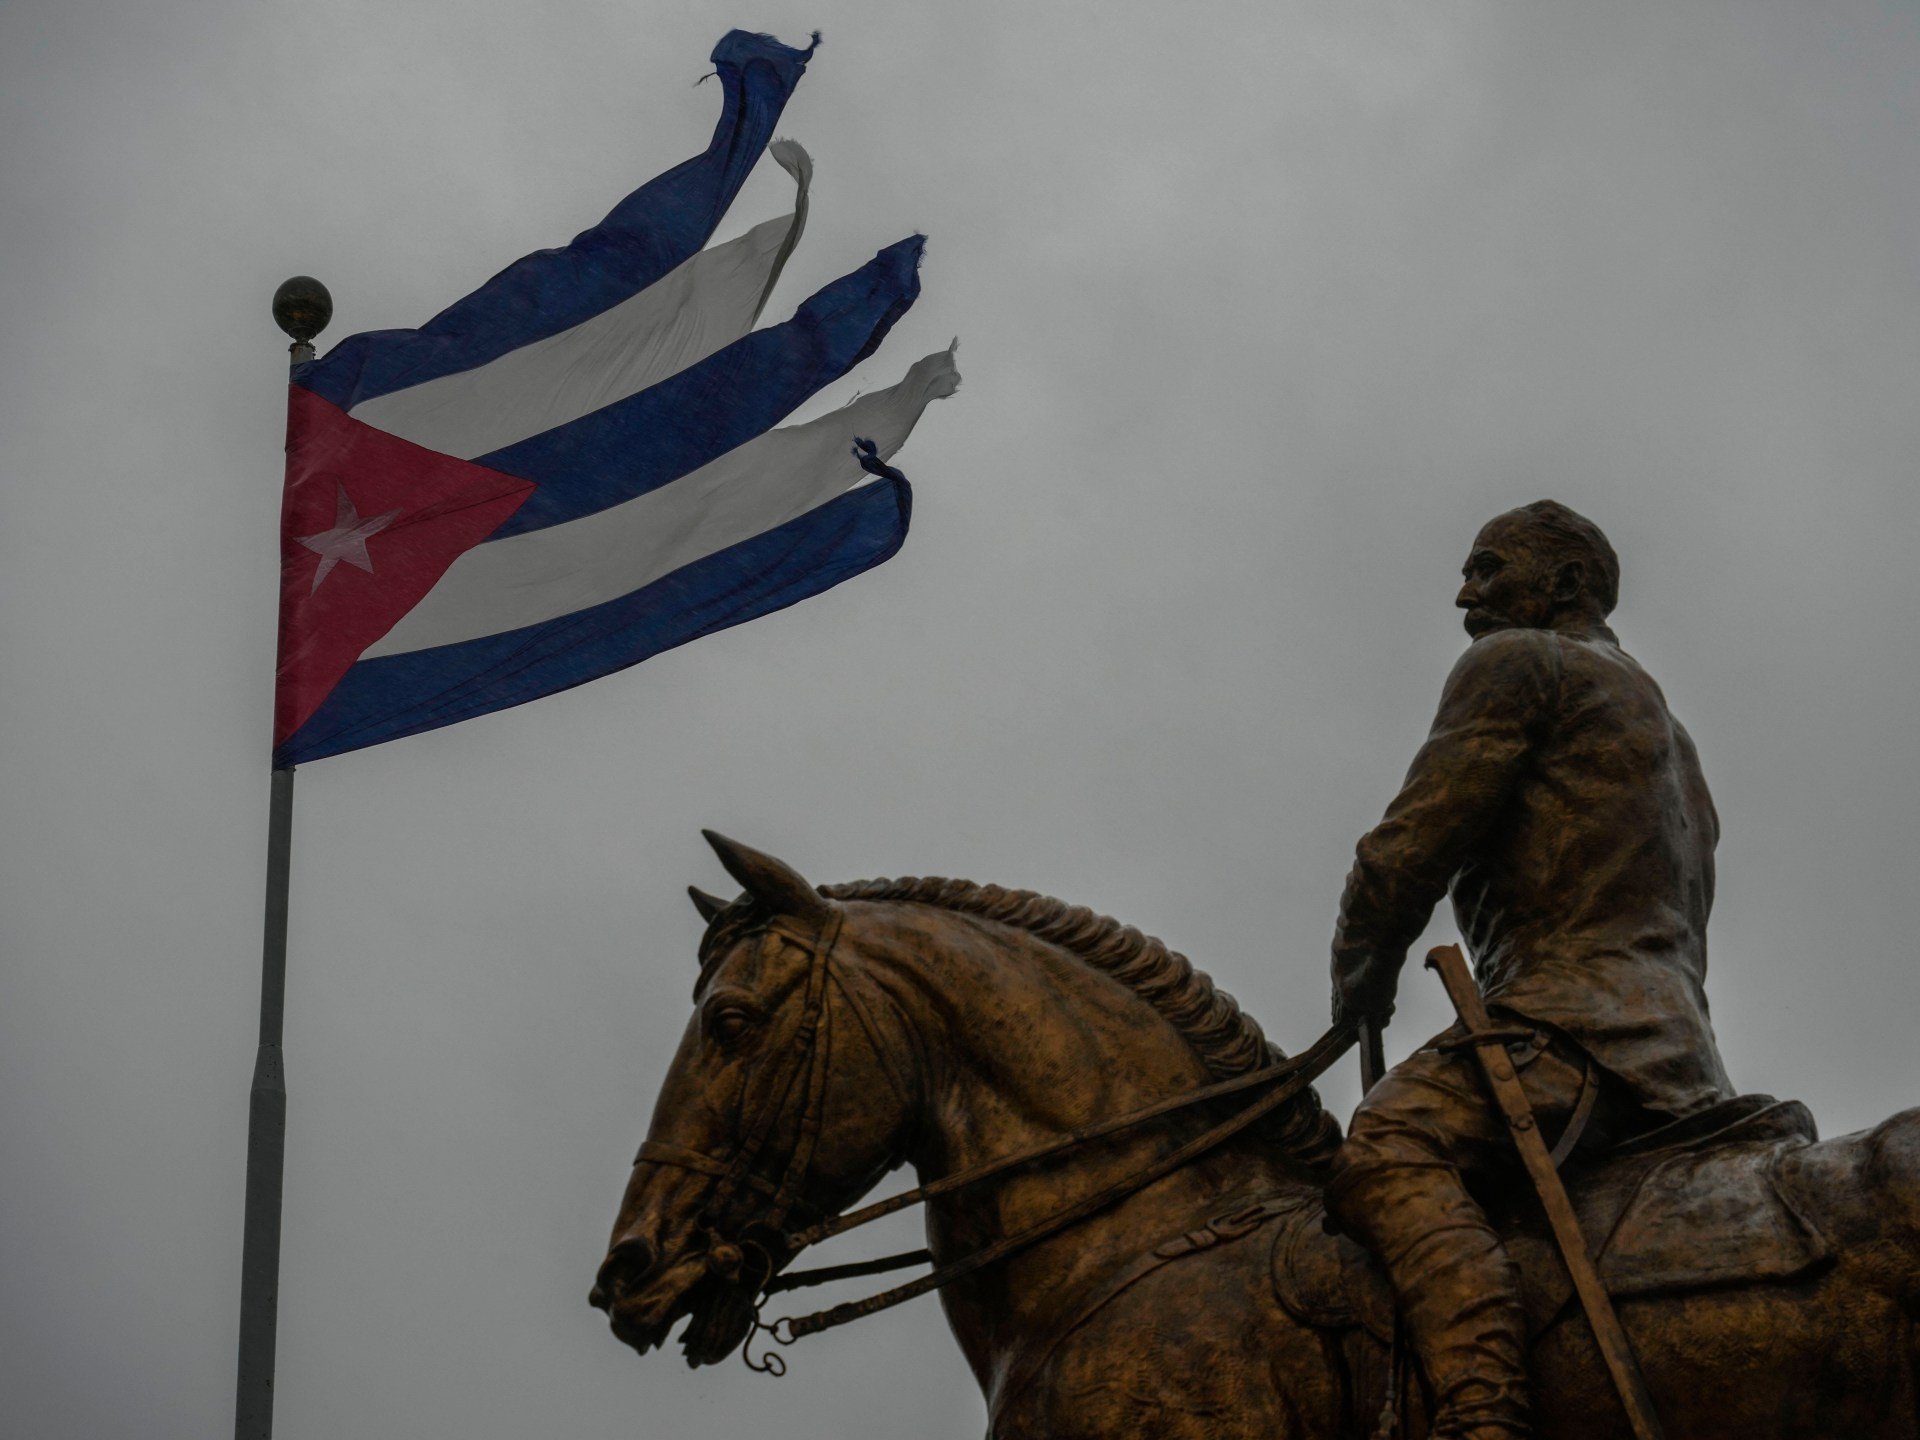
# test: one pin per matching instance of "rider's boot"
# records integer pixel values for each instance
(1459, 1294)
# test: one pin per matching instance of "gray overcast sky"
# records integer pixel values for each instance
(1264, 307)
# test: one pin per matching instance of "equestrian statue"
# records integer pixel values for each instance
(1556, 1219)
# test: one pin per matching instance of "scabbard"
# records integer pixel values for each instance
(1511, 1097)
(1373, 1055)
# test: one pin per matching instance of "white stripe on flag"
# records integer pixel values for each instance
(543, 574)
(702, 305)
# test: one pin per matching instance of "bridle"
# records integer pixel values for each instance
(805, 1068)
(731, 1238)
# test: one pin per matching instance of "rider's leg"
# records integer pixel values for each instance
(1398, 1186)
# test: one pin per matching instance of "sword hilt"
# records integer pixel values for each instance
(1451, 966)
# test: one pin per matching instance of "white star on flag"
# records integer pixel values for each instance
(347, 540)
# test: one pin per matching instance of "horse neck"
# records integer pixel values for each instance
(1023, 1044)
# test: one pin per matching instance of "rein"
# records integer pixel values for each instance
(1292, 1076)
(726, 1254)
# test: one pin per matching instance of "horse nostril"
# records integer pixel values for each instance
(633, 1255)
(630, 1258)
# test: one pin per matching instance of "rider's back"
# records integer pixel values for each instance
(1586, 901)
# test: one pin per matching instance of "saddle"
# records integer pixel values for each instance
(1694, 1204)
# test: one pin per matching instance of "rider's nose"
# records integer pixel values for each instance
(1468, 597)
(629, 1258)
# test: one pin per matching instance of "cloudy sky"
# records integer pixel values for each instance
(1263, 308)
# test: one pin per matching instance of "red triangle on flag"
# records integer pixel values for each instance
(369, 524)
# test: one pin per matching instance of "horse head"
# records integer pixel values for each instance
(843, 1031)
(785, 1102)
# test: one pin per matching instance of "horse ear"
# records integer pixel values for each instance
(775, 884)
(708, 905)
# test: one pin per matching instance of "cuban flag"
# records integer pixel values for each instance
(581, 464)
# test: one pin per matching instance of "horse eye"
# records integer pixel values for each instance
(731, 1024)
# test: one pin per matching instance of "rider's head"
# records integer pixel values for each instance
(1541, 567)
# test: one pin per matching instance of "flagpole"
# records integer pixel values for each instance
(302, 308)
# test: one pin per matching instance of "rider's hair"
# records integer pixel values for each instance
(1574, 537)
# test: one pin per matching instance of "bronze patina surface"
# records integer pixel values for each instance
(1562, 806)
(964, 1022)
(1117, 1259)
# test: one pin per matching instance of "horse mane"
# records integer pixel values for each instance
(1227, 1040)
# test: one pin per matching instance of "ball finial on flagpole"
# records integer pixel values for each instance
(302, 307)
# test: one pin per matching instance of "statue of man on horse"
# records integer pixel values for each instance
(1561, 804)
(1140, 1219)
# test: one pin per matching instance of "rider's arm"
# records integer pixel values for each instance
(1497, 702)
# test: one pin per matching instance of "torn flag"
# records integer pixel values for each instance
(580, 464)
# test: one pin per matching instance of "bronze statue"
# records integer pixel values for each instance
(1191, 1289)
(1142, 1222)
(1563, 806)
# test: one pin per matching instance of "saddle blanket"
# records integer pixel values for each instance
(1691, 1205)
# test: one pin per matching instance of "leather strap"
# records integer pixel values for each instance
(1503, 1035)
(1306, 1067)
(827, 1274)
(1643, 1421)
(988, 1170)
(807, 1062)
(808, 1069)
(1582, 1113)
(890, 1063)
(681, 1158)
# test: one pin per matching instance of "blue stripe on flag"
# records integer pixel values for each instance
(400, 695)
(654, 229)
(673, 428)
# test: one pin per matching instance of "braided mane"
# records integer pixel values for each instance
(1228, 1041)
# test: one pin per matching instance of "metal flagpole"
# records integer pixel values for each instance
(302, 308)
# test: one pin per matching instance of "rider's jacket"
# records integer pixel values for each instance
(1563, 807)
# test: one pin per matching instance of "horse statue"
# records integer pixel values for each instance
(1115, 1260)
